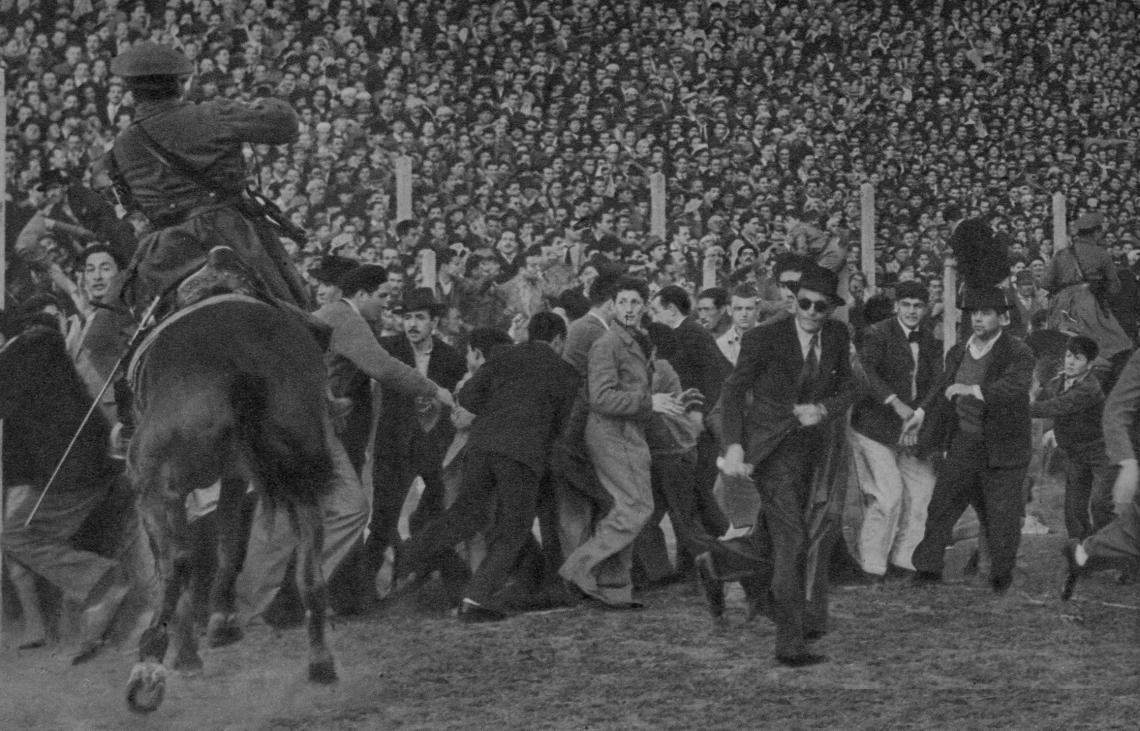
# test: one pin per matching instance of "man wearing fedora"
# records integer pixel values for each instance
(798, 370)
(412, 436)
(978, 415)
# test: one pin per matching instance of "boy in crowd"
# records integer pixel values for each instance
(1074, 401)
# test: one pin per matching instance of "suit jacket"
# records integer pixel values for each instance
(354, 359)
(1120, 423)
(580, 337)
(399, 427)
(1005, 411)
(889, 365)
(770, 364)
(521, 398)
(699, 362)
(42, 403)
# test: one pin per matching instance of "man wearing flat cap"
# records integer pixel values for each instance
(978, 415)
(1080, 278)
(181, 165)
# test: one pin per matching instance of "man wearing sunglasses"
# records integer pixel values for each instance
(789, 270)
(798, 370)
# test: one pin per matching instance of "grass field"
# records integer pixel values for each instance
(950, 657)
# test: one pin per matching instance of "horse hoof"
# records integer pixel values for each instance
(323, 672)
(146, 687)
(223, 630)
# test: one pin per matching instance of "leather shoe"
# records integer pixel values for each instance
(1069, 551)
(802, 660)
(713, 587)
(1001, 584)
(814, 634)
(472, 613)
(898, 573)
(926, 578)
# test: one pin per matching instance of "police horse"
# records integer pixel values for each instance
(232, 390)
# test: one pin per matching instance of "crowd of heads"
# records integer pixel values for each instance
(538, 127)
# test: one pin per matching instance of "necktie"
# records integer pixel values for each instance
(810, 371)
(912, 336)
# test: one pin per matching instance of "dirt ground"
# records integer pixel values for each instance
(950, 657)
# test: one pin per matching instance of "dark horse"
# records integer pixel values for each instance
(232, 390)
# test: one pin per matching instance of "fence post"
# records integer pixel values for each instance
(657, 205)
(1060, 223)
(403, 188)
(950, 312)
(867, 234)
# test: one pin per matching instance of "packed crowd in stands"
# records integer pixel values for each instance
(539, 123)
(533, 129)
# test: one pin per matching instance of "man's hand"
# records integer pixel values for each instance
(808, 414)
(904, 411)
(908, 437)
(444, 396)
(667, 403)
(1048, 440)
(957, 389)
(732, 464)
(1124, 490)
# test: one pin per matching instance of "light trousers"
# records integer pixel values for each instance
(896, 490)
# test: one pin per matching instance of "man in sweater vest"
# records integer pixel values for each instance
(979, 417)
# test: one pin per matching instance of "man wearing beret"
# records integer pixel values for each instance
(978, 414)
(181, 164)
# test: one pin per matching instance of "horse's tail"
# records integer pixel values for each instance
(291, 468)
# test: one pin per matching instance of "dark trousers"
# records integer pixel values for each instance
(673, 493)
(995, 493)
(1088, 490)
(779, 547)
(391, 482)
(1117, 545)
(704, 478)
(496, 489)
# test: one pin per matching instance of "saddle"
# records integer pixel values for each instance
(223, 273)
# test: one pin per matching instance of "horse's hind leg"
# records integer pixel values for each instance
(224, 628)
(310, 580)
(147, 684)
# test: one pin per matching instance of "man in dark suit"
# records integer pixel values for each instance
(799, 372)
(978, 413)
(700, 365)
(407, 442)
(901, 362)
(521, 399)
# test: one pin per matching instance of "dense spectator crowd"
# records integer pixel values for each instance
(533, 130)
(541, 122)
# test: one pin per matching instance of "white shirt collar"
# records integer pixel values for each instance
(352, 304)
(599, 318)
(805, 339)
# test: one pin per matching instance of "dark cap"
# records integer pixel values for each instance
(984, 298)
(332, 269)
(420, 298)
(1089, 222)
(911, 290)
(151, 59)
(53, 178)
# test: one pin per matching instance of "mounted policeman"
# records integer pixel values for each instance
(181, 164)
